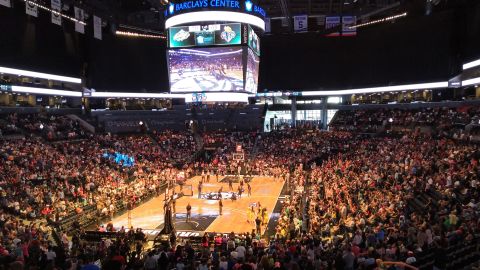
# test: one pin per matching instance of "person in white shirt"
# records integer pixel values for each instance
(357, 239)
(150, 262)
(240, 252)
(51, 255)
(410, 259)
(223, 263)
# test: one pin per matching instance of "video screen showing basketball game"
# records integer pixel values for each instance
(251, 78)
(206, 69)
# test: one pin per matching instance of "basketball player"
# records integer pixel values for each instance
(249, 189)
(220, 193)
(199, 190)
(230, 184)
(220, 206)
(189, 212)
(250, 214)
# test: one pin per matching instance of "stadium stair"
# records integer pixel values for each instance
(152, 138)
(84, 124)
(459, 256)
(254, 150)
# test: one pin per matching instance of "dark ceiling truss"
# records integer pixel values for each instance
(148, 14)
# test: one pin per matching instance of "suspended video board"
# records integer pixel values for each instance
(205, 35)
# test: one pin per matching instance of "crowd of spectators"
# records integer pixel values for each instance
(224, 145)
(354, 200)
(372, 120)
(53, 181)
(387, 198)
(279, 151)
(176, 146)
(8, 126)
(51, 127)
(32, 245)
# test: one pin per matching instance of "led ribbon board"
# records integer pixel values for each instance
(196, 11)
(216, 97)
(205, 35)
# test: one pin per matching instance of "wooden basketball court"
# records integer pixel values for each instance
(265, 190)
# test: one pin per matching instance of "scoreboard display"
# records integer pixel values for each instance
(253, 41)
(217, 69)
(251, 71)
(213, 58)
(205, 35)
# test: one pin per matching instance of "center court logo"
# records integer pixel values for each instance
(181, 35)
(199, 97)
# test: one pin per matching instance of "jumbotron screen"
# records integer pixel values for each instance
(206, 69)
(251, 77)
(205, 35)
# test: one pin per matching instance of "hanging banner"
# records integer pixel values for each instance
(300, 23)
(79, 15)
(321, 20)
(347, 22)
(56, 9)
(5, 3)
(267, 25)
(331, 22)
(31, 9)
(97, 27)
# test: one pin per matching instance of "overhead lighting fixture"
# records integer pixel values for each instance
(55, 12)
(469, 82)
(211, 16)
(472, 64)
(133, 34)
(40, 75)
(405, 87)
(134, 95)
(45, 91)
(386, 19)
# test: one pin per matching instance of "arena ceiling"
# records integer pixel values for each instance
(148, 14)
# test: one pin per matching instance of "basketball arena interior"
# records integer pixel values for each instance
(239, 134)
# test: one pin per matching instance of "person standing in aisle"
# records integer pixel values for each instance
(258, 223)
(189, 212)
(200, 189)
